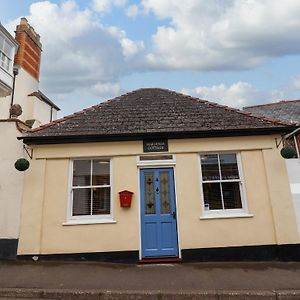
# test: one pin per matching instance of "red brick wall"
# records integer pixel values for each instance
(29, 52)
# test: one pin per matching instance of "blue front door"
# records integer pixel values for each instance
(158, 213)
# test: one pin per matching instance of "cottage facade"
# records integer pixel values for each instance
(208, 182)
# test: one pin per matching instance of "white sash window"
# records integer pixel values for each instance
(222, 184)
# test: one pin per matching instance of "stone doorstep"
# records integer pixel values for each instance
(49, 294)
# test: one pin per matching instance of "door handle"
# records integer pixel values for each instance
(174, 215)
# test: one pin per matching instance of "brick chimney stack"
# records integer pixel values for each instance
(28, 56)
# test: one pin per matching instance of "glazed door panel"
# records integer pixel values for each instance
(158, 213)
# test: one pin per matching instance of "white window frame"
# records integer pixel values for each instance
(6, 66)
(88, 219)
(156, 162)
(225, 213)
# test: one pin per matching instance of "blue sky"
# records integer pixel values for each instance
(234, 52)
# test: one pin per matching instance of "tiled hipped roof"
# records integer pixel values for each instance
(150, 112)
(287, 110)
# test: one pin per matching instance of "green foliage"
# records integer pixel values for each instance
(288, 152)
(22, 164)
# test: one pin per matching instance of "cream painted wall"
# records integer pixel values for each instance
(11, 180)
(45, 211)
(46, 195)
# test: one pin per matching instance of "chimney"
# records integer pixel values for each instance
(28, 56)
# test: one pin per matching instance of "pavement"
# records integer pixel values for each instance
(105, 281)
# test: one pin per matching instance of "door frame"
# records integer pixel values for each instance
(157, 166)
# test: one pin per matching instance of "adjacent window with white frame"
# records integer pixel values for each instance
(6, 53)
(91, 188)
(221, 183)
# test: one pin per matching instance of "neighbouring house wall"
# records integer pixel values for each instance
(25, 84)
(33, 108)
(28, 59)
(6, 72)
(293, 169)
(42, 112)
(11, 181)
(46, 192)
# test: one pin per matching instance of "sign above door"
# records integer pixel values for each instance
(158, 145)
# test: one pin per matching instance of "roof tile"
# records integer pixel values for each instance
(153, 111)
(285, 110)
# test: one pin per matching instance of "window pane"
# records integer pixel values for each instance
(149, 193)
(4, 61)
(212, 196)
(229, 168)
(231, 195)
(81, 202)
(210, 167)
(101, 201)
(2, 58)
(101, 172)
(81, 173)
(165, 196)
(7, 49)
(1, 42)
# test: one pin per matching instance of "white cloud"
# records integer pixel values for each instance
(132, 11)
(223, 34)
(238, 95)
(79, 53)
(296, 83)
(107, 89)
(82, 56)
(106, 5)
(130, 48)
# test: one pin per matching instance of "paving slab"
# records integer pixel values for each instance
(106, 281)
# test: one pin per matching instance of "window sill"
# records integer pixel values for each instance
(89, 222)
(226, 216)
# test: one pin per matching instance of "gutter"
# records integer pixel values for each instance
(66, 139)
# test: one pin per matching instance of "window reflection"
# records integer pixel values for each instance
(210, 168)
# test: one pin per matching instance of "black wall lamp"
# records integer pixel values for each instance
(16, 69)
